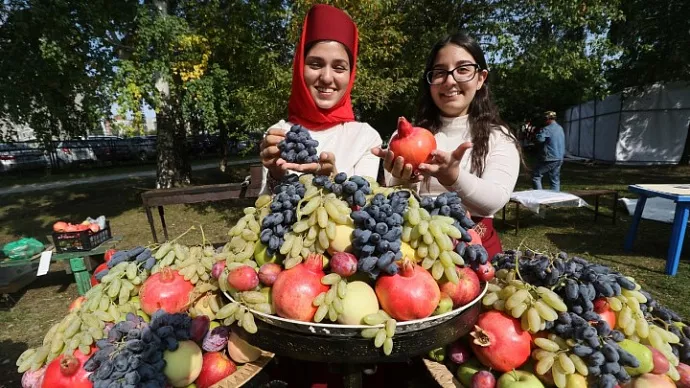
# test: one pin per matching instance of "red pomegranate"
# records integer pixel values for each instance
(294, 289)
(165, 290)
(414, 144)
(499, 341)
(66, 371)
(101, 267)
(410, 294)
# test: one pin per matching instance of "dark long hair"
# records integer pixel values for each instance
(483, 113)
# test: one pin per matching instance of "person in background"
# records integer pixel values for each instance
(551, 139)
(476, 156)
(322, 78)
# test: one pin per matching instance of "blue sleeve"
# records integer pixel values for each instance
(542, 135)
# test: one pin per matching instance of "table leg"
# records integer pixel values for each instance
(615, 206)
(352, 376)
(596, 208)
(161, 213)
(630, 237)
(81, 275)
(149, 216)
(680, 222)
(517, 218)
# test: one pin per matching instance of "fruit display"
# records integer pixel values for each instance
(339, 250)
(93, 225)
(555, 320)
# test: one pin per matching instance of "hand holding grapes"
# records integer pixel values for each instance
(445, 166)
(270, 154)
(325, 165)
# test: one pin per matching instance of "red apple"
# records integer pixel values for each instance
(216, 366)
(684, 372)
(485, 272)
(661, 364)
(467, 288)
(76, 304)
(243, 278)
(602, 307)
(483, 379)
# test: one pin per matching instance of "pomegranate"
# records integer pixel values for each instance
(344, 264)
(485, 272)
(499, 341)
(165, 290)
(268, 273)
(414, 144)
(216, 366)
(295, 289)
(218, 268)
(66, 371)
(243, 278)
(94, 228)
(101, 267)
(410, 294)
(467, 288)
(603, 308)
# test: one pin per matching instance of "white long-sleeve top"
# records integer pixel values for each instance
(351, 143)
(482, 195)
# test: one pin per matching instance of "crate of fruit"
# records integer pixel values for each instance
(80, 237)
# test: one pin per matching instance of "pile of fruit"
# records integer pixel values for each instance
(94, 225)
(565, 322)
(340, 250)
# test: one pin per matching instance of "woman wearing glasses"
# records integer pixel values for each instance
(476, 154)
(322, 78)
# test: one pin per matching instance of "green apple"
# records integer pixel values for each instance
(444, 305)
(643, 355)
(519, 379)
(261, 255)
(467, 370)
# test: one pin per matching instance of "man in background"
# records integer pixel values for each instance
(551, 140)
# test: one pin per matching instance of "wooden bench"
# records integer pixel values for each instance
(242, 194)
(596, 193)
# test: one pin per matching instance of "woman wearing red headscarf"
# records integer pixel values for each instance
(322, 78)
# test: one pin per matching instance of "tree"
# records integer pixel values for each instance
(654, 40)
(56, 63)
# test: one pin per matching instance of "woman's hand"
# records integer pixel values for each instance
(325, 166)
(445, 166)
(270, 154)
(396, 166)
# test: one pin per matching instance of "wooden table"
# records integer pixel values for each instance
(596, 193)
(242, 194)
(680, 194)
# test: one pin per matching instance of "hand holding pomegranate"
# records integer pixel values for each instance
(445, 166)
(409, 147)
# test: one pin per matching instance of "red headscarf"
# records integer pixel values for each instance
(323, 22)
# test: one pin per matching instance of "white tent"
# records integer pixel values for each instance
(648, 127)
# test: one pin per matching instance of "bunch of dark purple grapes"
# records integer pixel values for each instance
(298, 146)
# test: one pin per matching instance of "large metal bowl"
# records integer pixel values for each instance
(337, 330)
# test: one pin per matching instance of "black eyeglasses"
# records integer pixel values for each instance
(462, 73)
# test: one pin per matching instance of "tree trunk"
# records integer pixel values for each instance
(223, 147)
(173, 167)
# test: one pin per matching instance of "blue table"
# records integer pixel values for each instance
(680, 194)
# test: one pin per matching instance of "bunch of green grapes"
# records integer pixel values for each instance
(553, 354)
(383, 331)
(197, 266)
(330, 303)
(257, 300)
(236, 312)
(534, 306)
(431, 237)
(318, 215)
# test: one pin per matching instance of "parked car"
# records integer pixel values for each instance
(17, 156)
(142, 148)
(110, 148)
(69, 152)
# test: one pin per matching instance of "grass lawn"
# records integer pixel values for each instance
(46, 300)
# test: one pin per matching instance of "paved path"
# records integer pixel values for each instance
(18, 189)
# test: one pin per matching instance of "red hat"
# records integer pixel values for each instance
(323, 22)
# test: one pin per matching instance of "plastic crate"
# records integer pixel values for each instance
(81, 241)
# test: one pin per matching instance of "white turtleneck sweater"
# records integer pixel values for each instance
(482, 195)
(351, 143)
